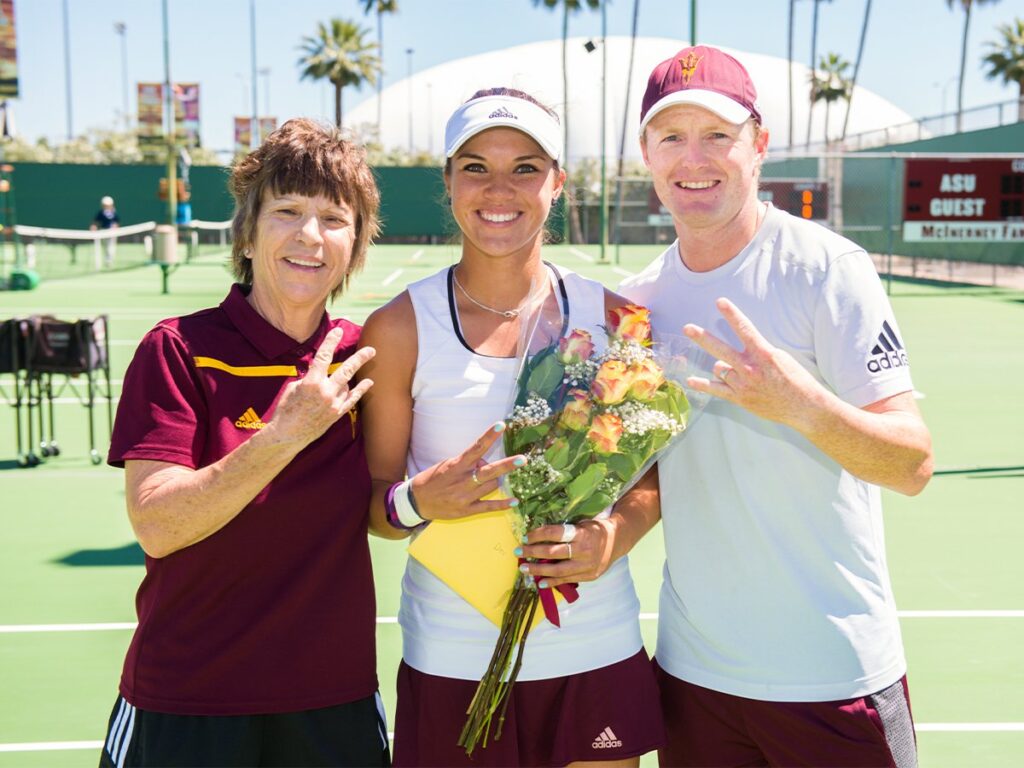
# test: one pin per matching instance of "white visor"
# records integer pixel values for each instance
(503, 112)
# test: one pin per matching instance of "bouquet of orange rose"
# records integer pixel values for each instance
(591, 422)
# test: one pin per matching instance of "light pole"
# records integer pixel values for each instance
(67, 71)
(265, 73)
(122, 29)
(604, 130)
(254, 136)
(172, 154)
(408, 78)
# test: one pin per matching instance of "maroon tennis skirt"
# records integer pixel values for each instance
(609, 713)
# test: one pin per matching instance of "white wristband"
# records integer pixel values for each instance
(404, 508)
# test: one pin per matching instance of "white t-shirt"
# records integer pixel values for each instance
(457, 393)
(776, 585)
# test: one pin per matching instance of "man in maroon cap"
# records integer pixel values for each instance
(778, 639)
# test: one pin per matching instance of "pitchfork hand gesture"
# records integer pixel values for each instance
(761, 378)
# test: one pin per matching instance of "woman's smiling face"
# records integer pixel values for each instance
(502, 186)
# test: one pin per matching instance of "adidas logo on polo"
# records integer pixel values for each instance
(606, 739)
(888, 352)
(249, 420)
(501, 112)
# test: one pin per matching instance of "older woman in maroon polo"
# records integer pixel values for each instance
(247, 487)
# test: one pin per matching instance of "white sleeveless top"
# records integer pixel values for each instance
(456, 394)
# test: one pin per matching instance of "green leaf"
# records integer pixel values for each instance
(583, 485)
(624, 465)
(592, 505)
(558, 454)
(546, 376)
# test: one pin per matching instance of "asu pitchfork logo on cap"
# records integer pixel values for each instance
(688, 65)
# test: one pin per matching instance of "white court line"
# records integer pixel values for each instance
(583, 255)
(54, 746)
(416, 255)
(121, 625)
(392, 277)
(623, 272)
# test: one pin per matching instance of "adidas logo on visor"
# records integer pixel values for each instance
(501, 112)
(888, 353)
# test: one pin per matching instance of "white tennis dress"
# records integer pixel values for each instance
(456, 394)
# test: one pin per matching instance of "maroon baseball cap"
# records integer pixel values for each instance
(706, 77)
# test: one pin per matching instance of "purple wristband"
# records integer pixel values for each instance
(391, 510)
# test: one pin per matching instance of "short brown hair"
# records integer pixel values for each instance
(307, 158)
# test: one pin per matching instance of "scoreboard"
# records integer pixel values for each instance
(963, 201)
(805, 198)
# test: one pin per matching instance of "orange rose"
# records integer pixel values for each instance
(647, 376)
(605, 432)
(576, 412)
(575, 348)
(611, 384)
(631, 322)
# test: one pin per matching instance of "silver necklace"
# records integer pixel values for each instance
(508, 314)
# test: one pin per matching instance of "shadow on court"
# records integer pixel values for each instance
(129, 554)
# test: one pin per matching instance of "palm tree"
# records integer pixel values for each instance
(814, 55)
(380, 7)
(967, 5)
(568, 6)
(340, 54)
(829, 83)
(1006, 59)
(856, 66)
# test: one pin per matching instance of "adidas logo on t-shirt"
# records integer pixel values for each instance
(606, 739)
(888, 352)
(501, 112)
(249, 420)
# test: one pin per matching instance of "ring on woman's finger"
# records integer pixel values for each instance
(569, 556)
(724, 375)
(568, 533)
(476, 480)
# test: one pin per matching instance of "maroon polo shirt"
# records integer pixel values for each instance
(274, 612)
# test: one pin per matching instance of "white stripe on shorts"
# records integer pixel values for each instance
(114, 727)
(123, 753)
(382, 724)
(891, 705)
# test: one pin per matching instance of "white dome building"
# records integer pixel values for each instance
(415, 109)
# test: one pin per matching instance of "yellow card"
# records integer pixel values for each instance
(475, 556)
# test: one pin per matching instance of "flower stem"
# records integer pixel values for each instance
(495, 688)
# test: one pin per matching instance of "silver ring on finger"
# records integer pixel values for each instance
(476, 480)
(568, 533)
(569, 545)
(724, 375)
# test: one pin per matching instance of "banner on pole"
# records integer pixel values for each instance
(8, 51)
(186, 114)
(243, 135)
(267, 126)
(151, 119)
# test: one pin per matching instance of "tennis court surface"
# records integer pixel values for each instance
(70, 567)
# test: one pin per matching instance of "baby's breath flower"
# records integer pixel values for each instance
(534, 412)
(580, 374)
(626, 350)
(639, 419)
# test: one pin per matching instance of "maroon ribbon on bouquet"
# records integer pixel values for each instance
(547, 595)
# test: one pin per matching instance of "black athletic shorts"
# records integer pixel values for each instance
(353, 734)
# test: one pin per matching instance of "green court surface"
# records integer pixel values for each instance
(69, 565)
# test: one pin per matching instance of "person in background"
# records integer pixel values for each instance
(446, 364)
(247, 486)
(778, 639)
(106, 218)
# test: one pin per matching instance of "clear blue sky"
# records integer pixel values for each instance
(911, 56)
